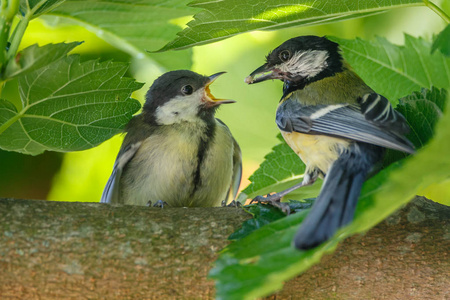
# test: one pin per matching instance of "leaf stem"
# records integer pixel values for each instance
(437, 10)
(4, 32)
(17, 35)
(9, 9)
(19, 31)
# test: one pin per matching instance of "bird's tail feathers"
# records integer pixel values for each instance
(335, 205)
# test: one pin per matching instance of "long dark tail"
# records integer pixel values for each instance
(336, 203)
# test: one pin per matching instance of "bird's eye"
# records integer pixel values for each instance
(187, 89)
(284, 55)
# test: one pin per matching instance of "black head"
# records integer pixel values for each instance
(171, 85)
(300, 61)
(285, 51)
(180, 96)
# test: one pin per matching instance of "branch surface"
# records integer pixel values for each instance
(57, 250)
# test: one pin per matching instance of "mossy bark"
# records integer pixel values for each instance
(55, 250)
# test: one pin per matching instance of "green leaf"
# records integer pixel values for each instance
(132, 26)
(395, 71)
(35, 57)
(222, 19)
(68, 106)
(442, 41)
(38, 7)
(281, 169)
(422, 110)
(261, 262)
(7, 111)
(264, 214)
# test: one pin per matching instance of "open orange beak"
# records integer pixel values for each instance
(209, 98)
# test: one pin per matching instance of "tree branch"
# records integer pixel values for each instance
(94, 251)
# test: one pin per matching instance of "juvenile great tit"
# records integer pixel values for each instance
(337, 125)
(176, 151)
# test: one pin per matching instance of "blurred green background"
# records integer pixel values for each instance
(81, 176)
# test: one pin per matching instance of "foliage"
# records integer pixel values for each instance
(395, 71)
(84, 105)
(222, 19)
(66, 104)
(442, 42)
(264, 214)
(423, 109)
(115, 21)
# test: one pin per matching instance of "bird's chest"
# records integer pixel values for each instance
(316, 151)
(172, 166)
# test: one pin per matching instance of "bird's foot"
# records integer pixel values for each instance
(274, 200)
(160, 204)
(231, 204)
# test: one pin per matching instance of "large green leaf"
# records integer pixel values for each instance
(395, 71)
(132, 26)
(68, 106)
(261, 262)
(222, 19)
(35, 57)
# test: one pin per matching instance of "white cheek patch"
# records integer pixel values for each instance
(306, 64)
(180, 108)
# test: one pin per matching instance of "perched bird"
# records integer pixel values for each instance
(337, 125)
(176, 151)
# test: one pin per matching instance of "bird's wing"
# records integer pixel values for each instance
(237, 172)
(351, 121)
(111, 192)
(237, 167)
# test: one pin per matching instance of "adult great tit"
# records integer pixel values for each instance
(176, 151)
(337, 125)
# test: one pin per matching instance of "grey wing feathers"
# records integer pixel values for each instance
(237, 172)
(237, 168)
(111, 192)
(342, 120)
(379, 110)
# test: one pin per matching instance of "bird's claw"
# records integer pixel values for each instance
(160, 204)
(275, 201)
(232, 204)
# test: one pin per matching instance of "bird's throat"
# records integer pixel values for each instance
(290, 86)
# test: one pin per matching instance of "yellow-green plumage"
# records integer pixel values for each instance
(343, 87)
(337, 125)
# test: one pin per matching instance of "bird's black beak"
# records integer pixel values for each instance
(263, 73)
(208, 98)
